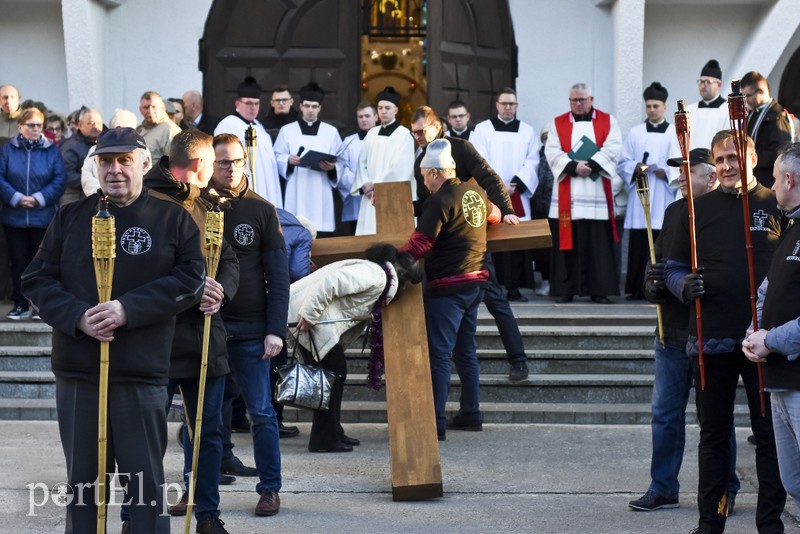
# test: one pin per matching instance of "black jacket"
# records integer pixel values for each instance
(159, 272)
(187, 345)
(774, 132)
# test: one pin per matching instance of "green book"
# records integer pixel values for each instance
(583, 150)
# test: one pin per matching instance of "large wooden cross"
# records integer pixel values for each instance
(413, 446)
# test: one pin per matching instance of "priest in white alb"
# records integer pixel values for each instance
(648, 143)
(310, 185)
(582, 208)
(247, 104)
(386, 156)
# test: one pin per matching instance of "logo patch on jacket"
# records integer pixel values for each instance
(135, 241)
(244, 233)
(474, 208)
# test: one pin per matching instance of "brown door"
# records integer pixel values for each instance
(279, 42)
(472, 54)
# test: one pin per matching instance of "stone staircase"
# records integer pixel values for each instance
(589, 363)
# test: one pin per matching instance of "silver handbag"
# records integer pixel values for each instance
(305, 385)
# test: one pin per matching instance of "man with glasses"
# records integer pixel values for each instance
(156, 128)
(512, 149)
(582, 148)
(248, 104)
(387, 156)
(309, 187)
(9, 113)
(768, 124)
(458, 119)
(281, 111)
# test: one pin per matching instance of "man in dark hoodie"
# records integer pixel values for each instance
(178, 178)
(75, 149)
(281, 111)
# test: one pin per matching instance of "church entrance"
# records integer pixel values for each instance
(431, 51)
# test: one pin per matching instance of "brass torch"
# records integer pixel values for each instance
(643, 191)
(103, 253)
(738, 116)
(213, 246)
(251, 142)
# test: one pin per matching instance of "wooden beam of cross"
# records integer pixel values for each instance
(414, 449)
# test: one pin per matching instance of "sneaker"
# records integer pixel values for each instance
(212, 525)
(234, 466)
(268, 504)
(460, 423)
(18, 314)
(543, 290)
(179, 508)
(519, 371)
(35, 316)
(652, 501)
(287, 431)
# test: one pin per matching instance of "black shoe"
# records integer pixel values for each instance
(731, 505)
(241, 427)
(347, 440)
(339, 447)
(126, 527)
(519, 371)
(226, 480)
(287, 431)
(751, 439)
(212, 525)
(652, 501)
(563, 299)
(234, 466)
(515, 296)
(441, 434)
(459, 423)
(599, 299)
(635, 296)
(179, 508)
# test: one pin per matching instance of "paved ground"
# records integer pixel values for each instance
(509, 478)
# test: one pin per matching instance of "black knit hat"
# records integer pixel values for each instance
(656, 91)
(390, 95)
(712, 69)
(249, 88)
(312, 92)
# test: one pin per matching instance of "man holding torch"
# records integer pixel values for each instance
(159, 274)
(723, 286)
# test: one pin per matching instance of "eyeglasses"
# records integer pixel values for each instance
(580, 100)
(251, 103)
(281, 100)
(226, 163)
(457, 117)
(507, 104)
(418, 133)
(53, 129)
(309, 106)
(706, 82)
(748, 95)
(34, 125)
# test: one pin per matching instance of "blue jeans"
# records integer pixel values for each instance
(451, 322)
(206, 495)
(252, 377)
(786, 423)
(673, 382)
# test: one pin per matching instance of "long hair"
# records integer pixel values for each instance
(408, 270)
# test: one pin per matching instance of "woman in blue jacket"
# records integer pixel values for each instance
(31, 183)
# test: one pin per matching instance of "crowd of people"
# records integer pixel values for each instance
(302, 180)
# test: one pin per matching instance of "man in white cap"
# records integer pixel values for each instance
(451, 236)
(387, 156)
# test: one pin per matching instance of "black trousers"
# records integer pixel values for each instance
(137, 441)
(638, 256)
(23, 243)
(715, 414)
(326, 428)
(497, 303)
(589, 269)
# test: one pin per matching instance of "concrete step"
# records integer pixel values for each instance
(27, 385)
(573, 337)
(541, 319)
(25, 358)
(25, 333)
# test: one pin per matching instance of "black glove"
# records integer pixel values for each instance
(655, 290)
(693, 287)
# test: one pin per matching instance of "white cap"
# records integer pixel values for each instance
(438, 156)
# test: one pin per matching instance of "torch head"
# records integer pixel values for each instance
(250, 136)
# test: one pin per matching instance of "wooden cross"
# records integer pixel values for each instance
(413, 446)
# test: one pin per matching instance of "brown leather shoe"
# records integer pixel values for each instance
(269, 503)
(179, 508)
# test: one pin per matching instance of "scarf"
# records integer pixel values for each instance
(375, 334)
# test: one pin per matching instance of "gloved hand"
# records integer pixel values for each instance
(693, 287)
(655, 290)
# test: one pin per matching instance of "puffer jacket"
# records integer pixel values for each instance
(347, 288)
(36, 172)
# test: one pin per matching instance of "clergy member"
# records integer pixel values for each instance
(247, 104)
(648, 143)
(582, 208)
(309, 186)
(387, 156)
(367, 118)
